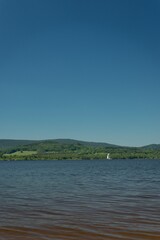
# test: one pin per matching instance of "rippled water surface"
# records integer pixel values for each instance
(96, 200)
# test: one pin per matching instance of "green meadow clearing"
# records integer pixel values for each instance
(21, 153)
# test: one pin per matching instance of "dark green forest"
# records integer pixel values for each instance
(72, 149)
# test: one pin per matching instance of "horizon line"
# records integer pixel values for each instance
(72, 139)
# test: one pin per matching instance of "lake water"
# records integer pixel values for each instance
(89, 200)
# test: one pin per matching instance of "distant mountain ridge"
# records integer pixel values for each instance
(85, 143)
(152, 146)
(11, 143)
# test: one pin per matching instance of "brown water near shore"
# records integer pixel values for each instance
(90, 200)
(79, 232)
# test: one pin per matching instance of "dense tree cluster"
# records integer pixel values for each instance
(58, 150)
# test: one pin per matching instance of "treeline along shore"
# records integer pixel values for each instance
(60, 149)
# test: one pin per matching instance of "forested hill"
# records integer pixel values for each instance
(9, 143)
(152, 146)
(84, 143)
(71, 149)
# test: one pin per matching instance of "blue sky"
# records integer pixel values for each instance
(87, 70)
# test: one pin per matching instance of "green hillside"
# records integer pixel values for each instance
(70, 149)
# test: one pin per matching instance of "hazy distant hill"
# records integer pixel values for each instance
(85, 143)
(152, 146)
(10, 143)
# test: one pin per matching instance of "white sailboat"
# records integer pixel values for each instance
(108, 156)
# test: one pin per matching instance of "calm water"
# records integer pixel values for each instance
(117, 199)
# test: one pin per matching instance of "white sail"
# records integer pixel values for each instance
(108, 156)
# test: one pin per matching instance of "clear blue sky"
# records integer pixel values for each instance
(81, 69)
